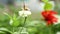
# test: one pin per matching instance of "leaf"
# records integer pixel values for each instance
(48, 6)
(35, 23)
(7, 15)
(14, 21)
(5, 30)
(32, 29)
(20, 30)
(1, 32)
(14, 17)
(45, 0)
(16, 33)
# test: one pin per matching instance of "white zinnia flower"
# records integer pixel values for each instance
(25, 13)
(58, 17)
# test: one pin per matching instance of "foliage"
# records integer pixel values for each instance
(48, 6)
(45, 0)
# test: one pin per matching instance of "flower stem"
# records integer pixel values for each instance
(23, 24)
(13, 30)
(50, 30)
(24, 21)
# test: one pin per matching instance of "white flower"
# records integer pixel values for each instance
(58, 33)
(58, 17)
(24, 13)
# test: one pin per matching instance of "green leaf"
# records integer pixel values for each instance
(32, 29)
(48, 6)
(14, 17)
(15, 21)
(5, 30)
(1, 32)
(45, 0)
(8, 15)
(16, 33)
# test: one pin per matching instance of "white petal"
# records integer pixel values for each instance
(27, 13)
(24, 13)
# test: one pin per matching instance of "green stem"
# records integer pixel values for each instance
(13, 30)
(23, 24)
(50, 30)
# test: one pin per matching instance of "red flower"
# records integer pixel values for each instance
(48, 16)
